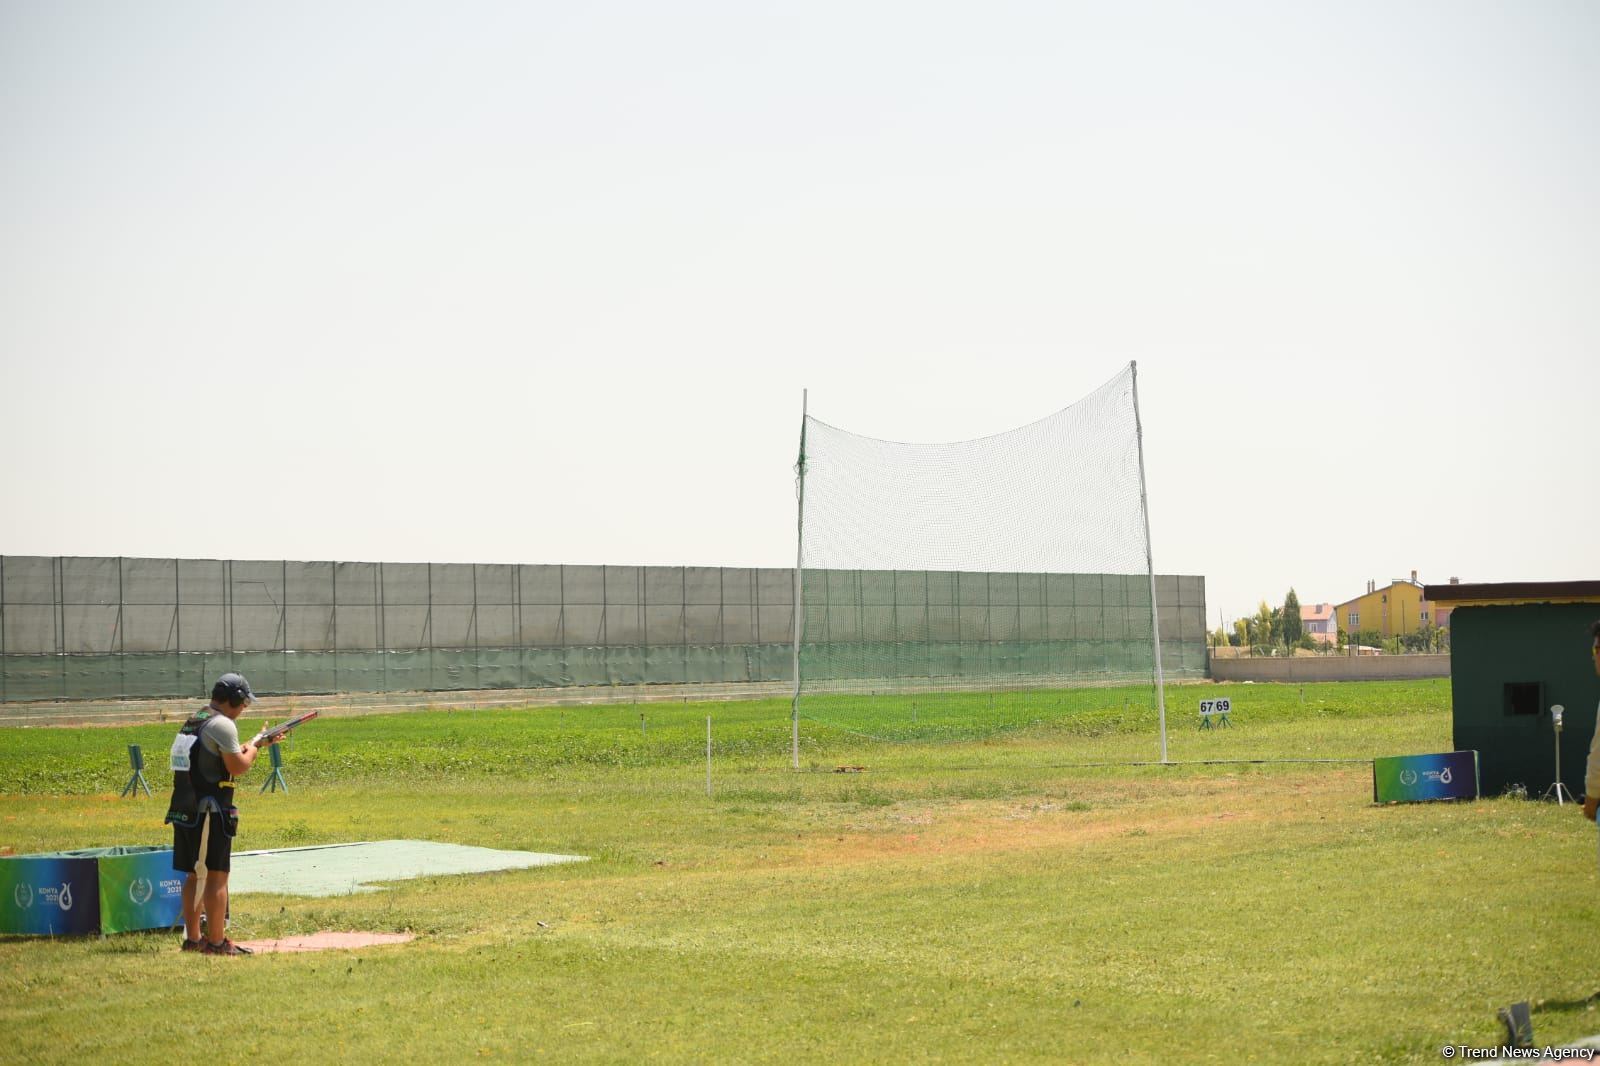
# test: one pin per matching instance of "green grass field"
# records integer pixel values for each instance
(1000, 884)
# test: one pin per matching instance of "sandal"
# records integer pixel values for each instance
(192, 945)
(227, 947)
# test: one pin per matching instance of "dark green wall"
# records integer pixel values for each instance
(1490, 646)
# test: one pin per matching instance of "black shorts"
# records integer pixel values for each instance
(218, 829)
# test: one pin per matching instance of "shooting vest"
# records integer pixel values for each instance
(190, 787)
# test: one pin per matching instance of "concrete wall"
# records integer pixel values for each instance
(1332, 668)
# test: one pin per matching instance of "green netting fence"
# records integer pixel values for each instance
(77, 628)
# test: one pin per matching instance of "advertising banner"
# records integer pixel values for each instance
(48, 895)
(96, 890)
(1416, 778)
(139, 890)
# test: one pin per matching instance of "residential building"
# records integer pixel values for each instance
(1394, 610)
(1318, 622)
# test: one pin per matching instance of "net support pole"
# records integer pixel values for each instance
(799, 562)
(1150, 565)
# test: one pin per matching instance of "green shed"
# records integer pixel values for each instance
(1516, 650)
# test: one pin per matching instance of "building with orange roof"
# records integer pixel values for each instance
(1318, 622)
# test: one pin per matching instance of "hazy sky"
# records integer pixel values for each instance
(543, 282)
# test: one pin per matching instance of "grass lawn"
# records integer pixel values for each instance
(999, 885)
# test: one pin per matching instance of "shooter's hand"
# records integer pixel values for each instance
(1590, 805)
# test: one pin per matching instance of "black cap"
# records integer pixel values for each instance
(233, 688)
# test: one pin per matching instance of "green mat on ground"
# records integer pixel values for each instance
(341, 869)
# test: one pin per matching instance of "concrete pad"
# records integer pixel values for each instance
(324, 942)
(343, 869)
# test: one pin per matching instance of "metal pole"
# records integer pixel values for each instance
(177, 616)
(988, 631)
(61, 621)
(861, 611)
(1044, 599)
(378, 596)
(1105, 645)
(429, 624)
(1560, 787)
(1149, 559)
(561, 627)
(60, 593)
(5, 666)
(122, 661)
(927, 627)
(1018, 631)
(894, 627)
(799, 563)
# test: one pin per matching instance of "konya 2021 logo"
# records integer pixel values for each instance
(61, 897)
(140, 890)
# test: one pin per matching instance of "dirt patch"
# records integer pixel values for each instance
(1177, 809)
(324, 942)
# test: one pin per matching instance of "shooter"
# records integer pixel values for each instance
(206, 759)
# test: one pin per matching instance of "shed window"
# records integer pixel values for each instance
(1524, 697)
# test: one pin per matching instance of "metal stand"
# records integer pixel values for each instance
(1214, 713)
(275, 780)
(136, 760)
(1558, 789)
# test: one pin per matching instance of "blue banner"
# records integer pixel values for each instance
(48, 895)
(1417, 778)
